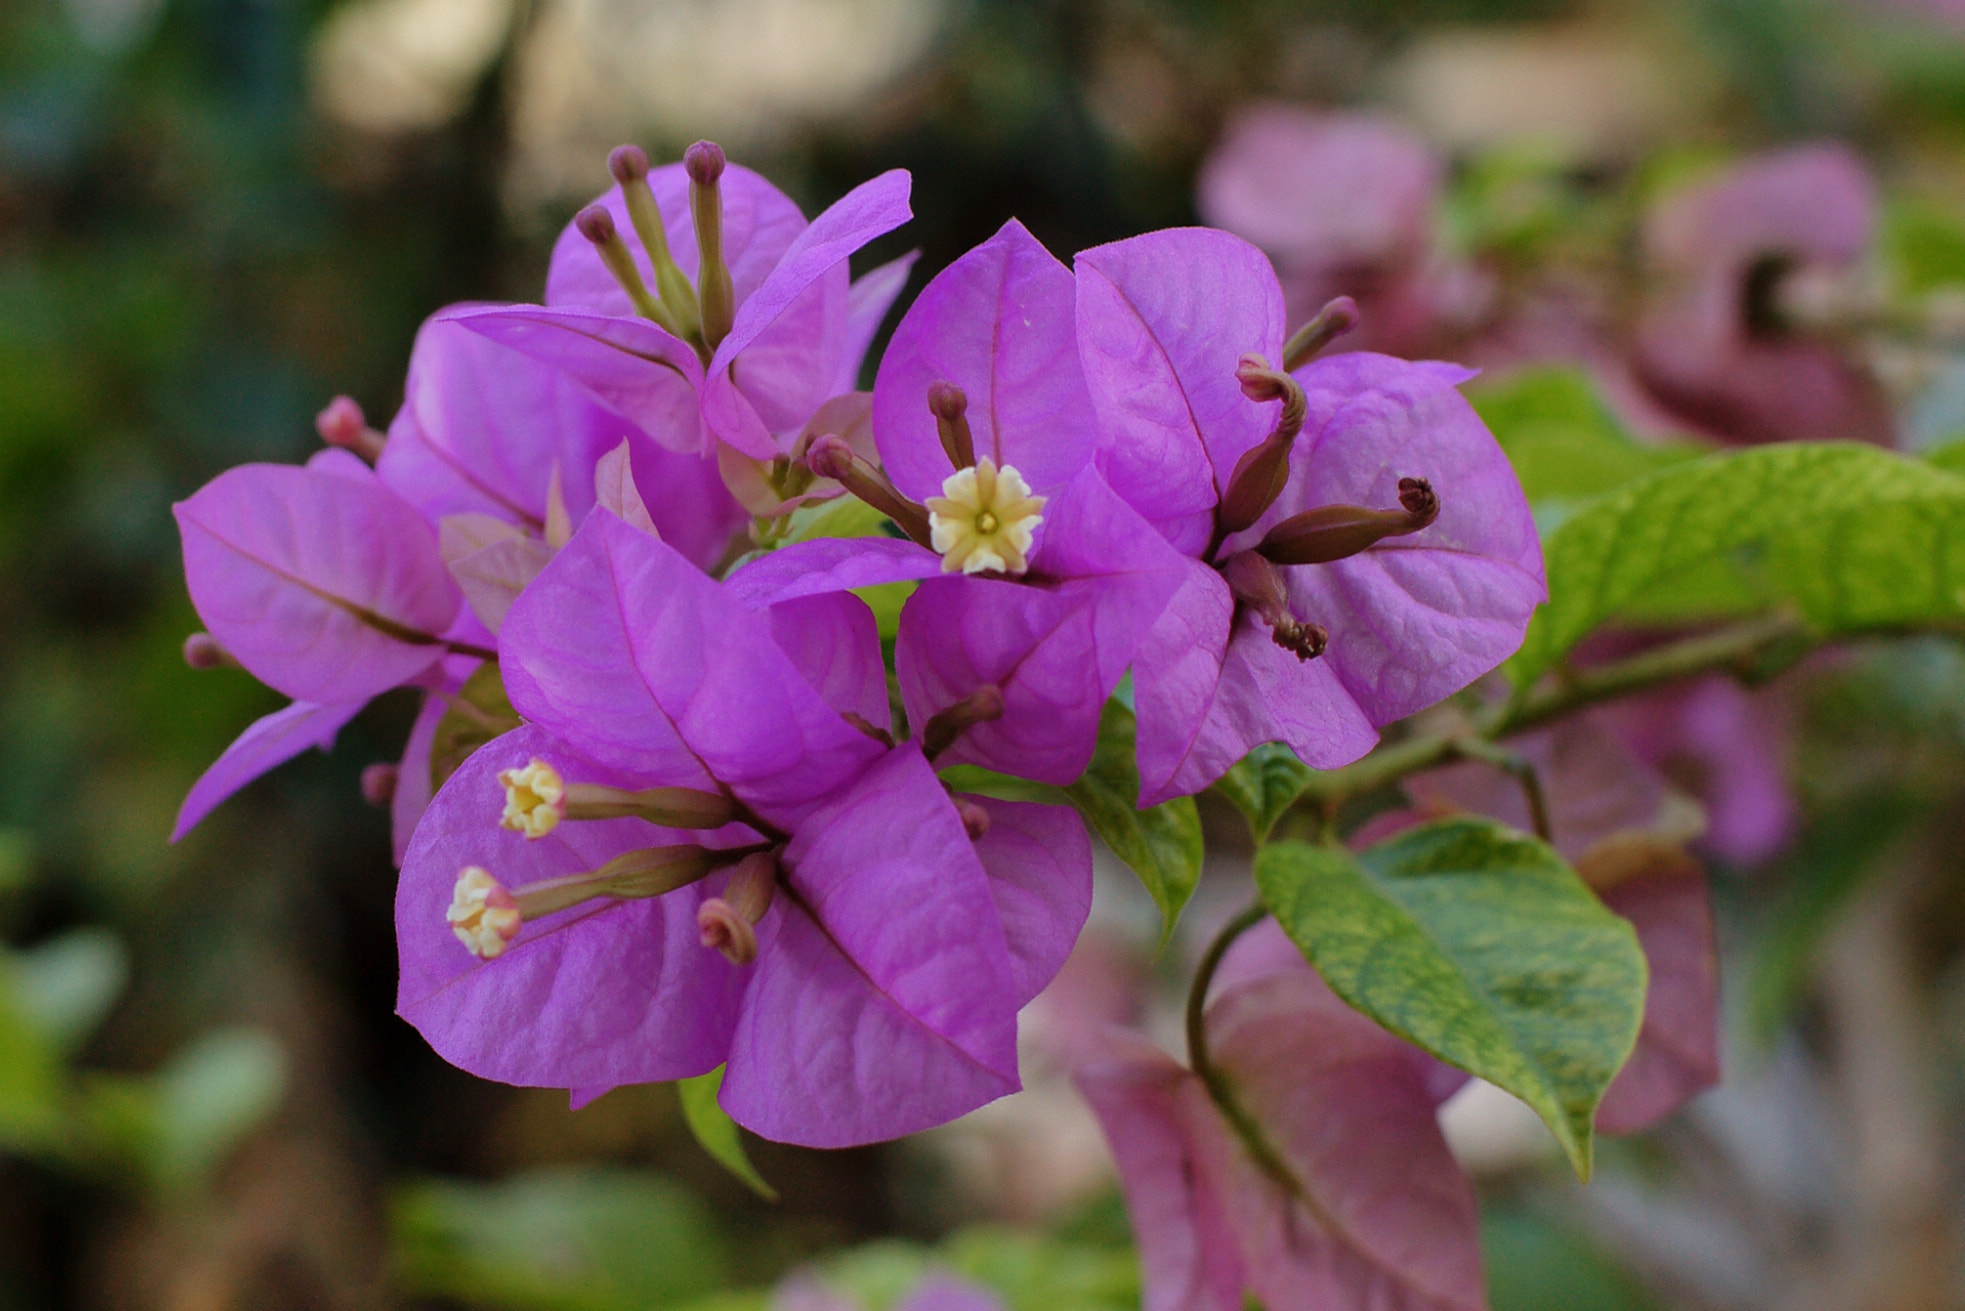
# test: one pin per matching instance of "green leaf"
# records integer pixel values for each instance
(1534, 1264)
(569, 1239)
(1480, 945)
(210, 1094)
(30, 1080)
(843, 516)
(1852, 536)
(478, 713)
(1161, 845)
(1565, 444)
(717, 1132)
(1263, 785)
(1040, 1272)
(66, 985)
(1925, 246)
(1949, 457)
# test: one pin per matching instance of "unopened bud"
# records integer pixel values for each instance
(714, 294)
(1333, 321)
(950, 406)
(379, 784)
(979, 707)
(482, 909)
(1337, 532)
(831, 457)
(202, 651)
(596, 224)
(975, 820)
(1259, 585)
(341, 423)
(728, 923)
(1263, 471)
(629, 165)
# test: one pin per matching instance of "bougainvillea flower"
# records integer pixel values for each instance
(789, 333)
(484, 430)
(1258, 647)
(890, 939)
(320, 580)
(1334, 1218)
(1039, 582)
(1343, 204)
(271, 741)
(1726, 342)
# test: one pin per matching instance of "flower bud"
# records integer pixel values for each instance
(629, 165)
(714, 294)
(1333, 321)
(379, 784)
(1336, 532)
(975, 820)
(1259, 585)
(728, 923)
(537, 798)
(341, 423)
(979, 707)
(482, 914)
(202, 651)
(830, 457)
(950, 406)
(1263, 471)
(597, 226)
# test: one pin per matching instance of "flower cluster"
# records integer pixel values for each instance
(676, 801)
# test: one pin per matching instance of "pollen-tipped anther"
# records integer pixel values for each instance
(979, 707)
(482, 914)
(202, 651)
(950, 406)
(985, 520)
(830, 457)
(535, 798)
(714, 294)
(1334, 320)
(379, 784)
(729, 923)
(341, 423)
(596, 224)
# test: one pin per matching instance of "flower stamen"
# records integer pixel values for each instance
(985, 519)
(535, 798)
(482, 914)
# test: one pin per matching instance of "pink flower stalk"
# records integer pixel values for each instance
(1727, 341)
(1394, 564)
(872, 949)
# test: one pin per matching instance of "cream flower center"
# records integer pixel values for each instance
(535, 798)
(985, 519)
(482, 914)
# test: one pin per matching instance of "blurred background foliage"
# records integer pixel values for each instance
(216, 214)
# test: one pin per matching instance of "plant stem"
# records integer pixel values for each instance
(1744, 649)
(1220, 1091)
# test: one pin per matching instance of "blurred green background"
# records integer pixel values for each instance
(217, 214)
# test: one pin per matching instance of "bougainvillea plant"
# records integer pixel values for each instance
(768, 723)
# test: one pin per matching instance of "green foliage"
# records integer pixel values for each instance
(1263, 785)
(478, 713)
(574, 1239)
(1827, 870)
(1924, 246)
(1851, 536)
(1480, 945)
(1536, 1265)
(179, 1123)
(1034, 1272)
(1565, 444)
(717, 1132)
(1162, 844)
